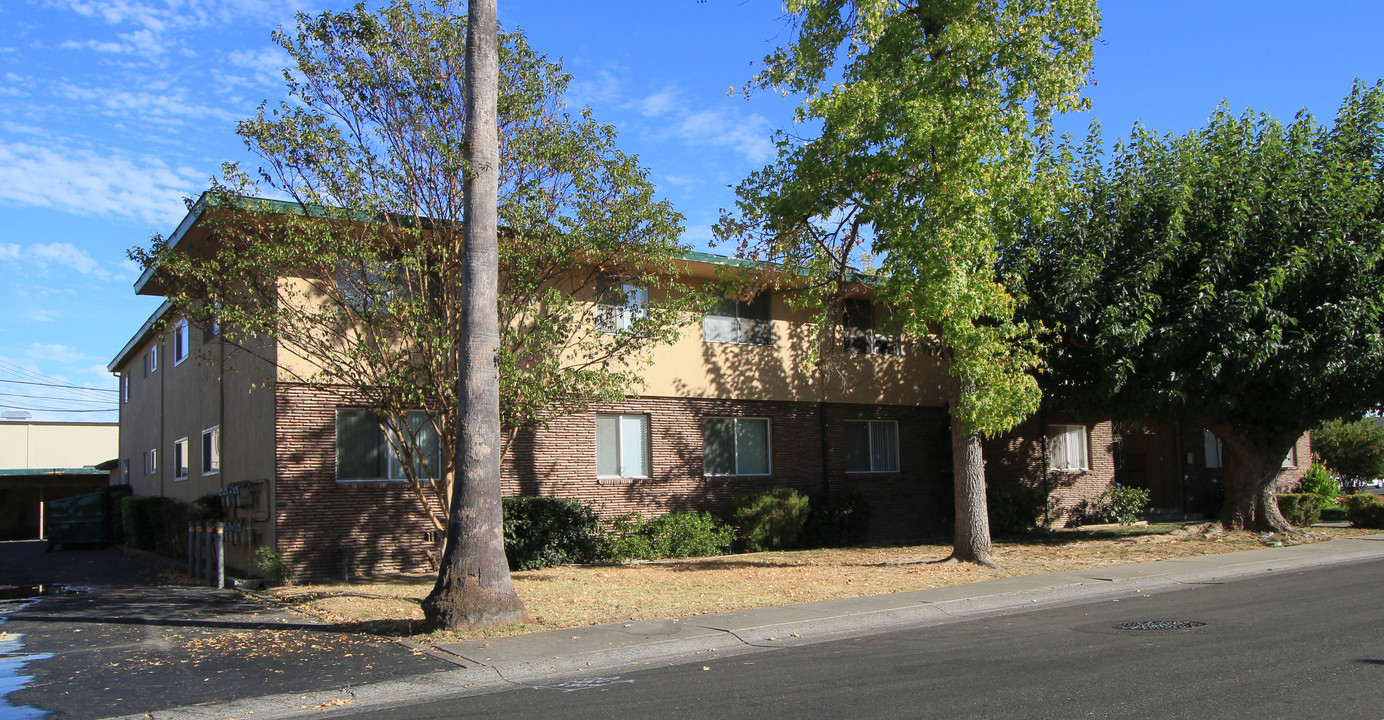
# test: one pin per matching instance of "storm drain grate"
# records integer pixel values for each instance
(1160, 625)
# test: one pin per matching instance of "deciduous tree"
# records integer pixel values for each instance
(359, 269)
(930, 153)
(1232, 277)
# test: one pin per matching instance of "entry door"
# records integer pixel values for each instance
(1151, 462)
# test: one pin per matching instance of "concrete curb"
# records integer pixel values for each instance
(551, 658)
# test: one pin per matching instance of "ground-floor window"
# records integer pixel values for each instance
(180, 459)
(364, 450)
(622, 446)
(1212, 448)
(1067, 448)
(872, 446)
(211, 450)
(151, 461)
(736, 446)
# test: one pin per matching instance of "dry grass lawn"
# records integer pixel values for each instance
(574, 596)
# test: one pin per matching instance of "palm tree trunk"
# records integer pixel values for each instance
(473, 585)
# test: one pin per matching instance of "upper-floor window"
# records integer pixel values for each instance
(735, 446)
(872, 446)
(1213, 449)
(151, 359)
(369, 286)
(180, 342)
(622, 305)
(365, 446)
(151, 461)
(622, 446)
(1067, 448)
(860, 330)
(125, 387)
(745, 322)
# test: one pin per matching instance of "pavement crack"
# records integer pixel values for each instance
(736, 635)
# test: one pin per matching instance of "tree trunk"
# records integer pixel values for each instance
(473, 585)
(971, 541)
(1251, 475)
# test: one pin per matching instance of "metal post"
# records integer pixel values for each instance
(207, 552)
(191, 549)
(220, 555)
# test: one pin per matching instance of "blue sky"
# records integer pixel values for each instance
(112, 111)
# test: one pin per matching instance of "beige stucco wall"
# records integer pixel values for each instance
(56, 445)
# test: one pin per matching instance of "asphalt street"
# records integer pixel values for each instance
(1302, 644)
(119, 637)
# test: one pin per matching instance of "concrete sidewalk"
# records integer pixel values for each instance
(566, 659)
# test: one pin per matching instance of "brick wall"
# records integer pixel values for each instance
(376, 528)
(1017, 458)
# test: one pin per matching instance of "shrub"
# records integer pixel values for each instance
(1300, 509)
(1015, 510)
(545, 531)
(770, 520)
(270, 561)
(153, 523)
(675, 535)
(207, 508)
(1364, 511)
(836, 521)
(1121, 504)
(1319, 481)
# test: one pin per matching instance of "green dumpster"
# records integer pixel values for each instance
(84, 519)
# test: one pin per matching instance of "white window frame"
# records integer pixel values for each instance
(182, 346)
(870, 442)
(211, 453)
(390, 460)
(615, 318)
(735, 448)
(1056, 433)
(620, 440)
(875, 341)
(151, 461)
(1291, 460)
(1213, 449)
(181, 465)
(735, 328)
(124, 387)
(151, 360)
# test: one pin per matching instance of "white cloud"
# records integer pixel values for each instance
(156, 106)
(660, 103)
(96, 45)
(43, 314)
(42, 256)
(682, 180)
(605, 88)
(698, 235)
(85, 183)
(159, 26)
(751, 136)
(52, 352)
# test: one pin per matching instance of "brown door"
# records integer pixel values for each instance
(1150, 461)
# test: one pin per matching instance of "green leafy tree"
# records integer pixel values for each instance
(1352, 448)
(1231, 277)
(358, 275)
(931, 152)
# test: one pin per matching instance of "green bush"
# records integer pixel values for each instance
(770, 520)
(270, 561)
(1352, 448)
(836, 521)
(207, 508)
(1015, 510)
(153, 523)
(545, 531)
(675, 535)
(1320, 482)
(1364, 511)
(1300, 509)
(1121, 504)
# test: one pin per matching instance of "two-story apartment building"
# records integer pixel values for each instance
(724, 409)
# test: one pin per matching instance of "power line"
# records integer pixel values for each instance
(56, 385)
(56, 410)
(88, 401)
